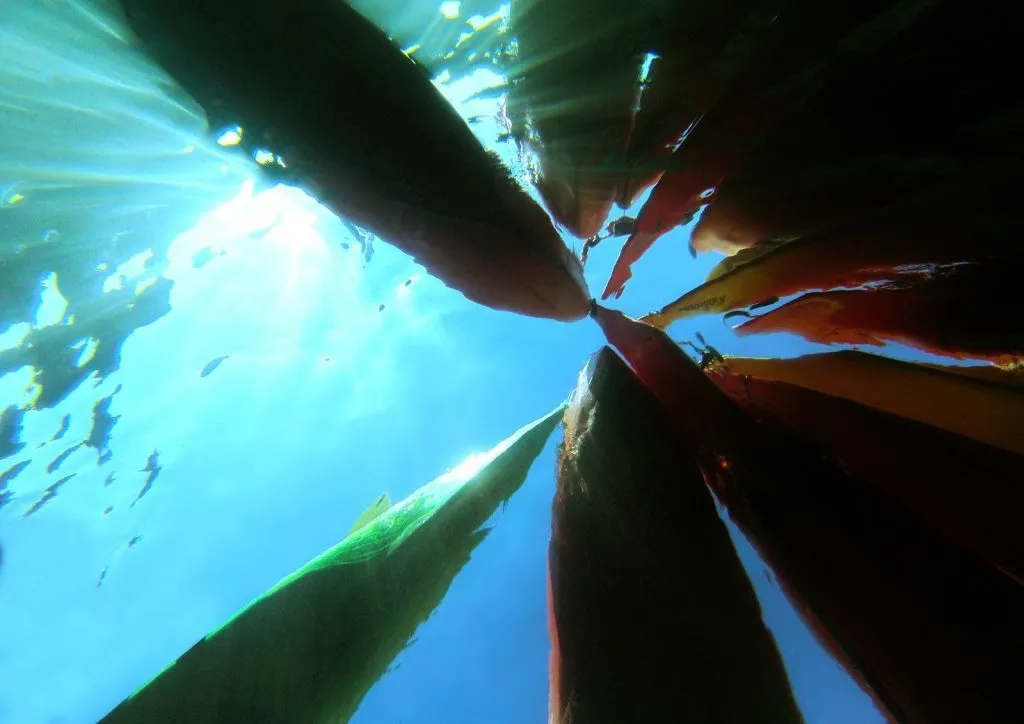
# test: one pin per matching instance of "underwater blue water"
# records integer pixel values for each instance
(342, 378)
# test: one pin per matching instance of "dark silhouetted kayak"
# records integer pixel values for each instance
(573, 94)
(652, 616)
(362, 128)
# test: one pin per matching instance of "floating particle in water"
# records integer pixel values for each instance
(65, 423)
(212, 365)
(380, 308)
(405, 288)
(152, 469)
(59, 460)
(327, 359)
(51, 236)
(49, 494)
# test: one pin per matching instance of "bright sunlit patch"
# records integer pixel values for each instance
(644, 78)
(285, 297)
(14, 335)
(144, 285)
(86, 351)
(451, 9)
(52, 304)
(230, 137)
(134, 267)
(16, 387)
(459, 92)
(283, 225)
(477, 461)
(476, 22)
(245, 193)
(645, 67)
(405, 288)
(265, 157)
(469, 467)
(240, 215)
(297, 233)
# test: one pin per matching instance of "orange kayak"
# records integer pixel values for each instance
(967, 315)
(979, 409)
